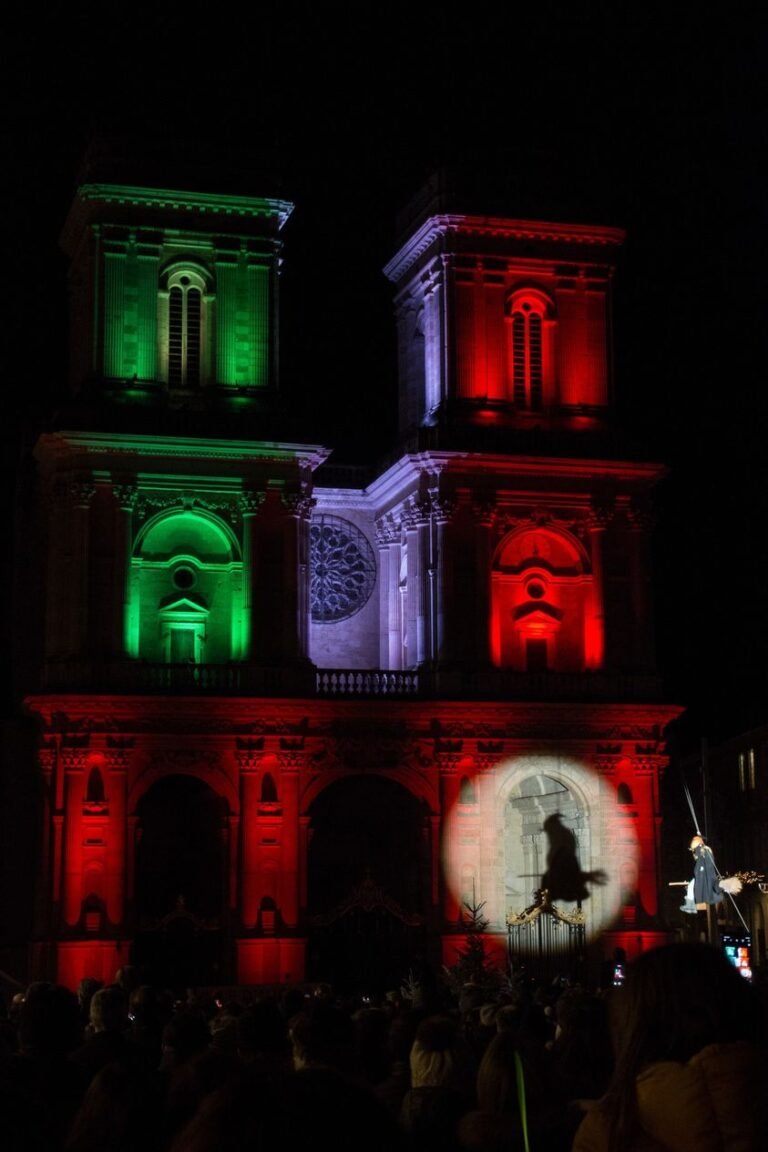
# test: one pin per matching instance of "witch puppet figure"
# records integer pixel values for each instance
(706, 886)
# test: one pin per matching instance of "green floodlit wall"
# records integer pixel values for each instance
(242, 329)
(141, 235)
(240, 296)
(209, 603)
(130, 315)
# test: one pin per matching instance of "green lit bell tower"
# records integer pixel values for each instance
(174, 295)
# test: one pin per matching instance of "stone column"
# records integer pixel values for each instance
(116, 862)
(303, 850)
(390, 625)
(81, 495)
(132, 836)
(449, 797)
(250, 502)
(442, 581)
(484, 511)
(125, 501)
(47, 891)
(289, 844)
(416, 522)
(599, 517)
(234, 843)
(249, 833)
(73, 837)
(298, 507)
(640, 522)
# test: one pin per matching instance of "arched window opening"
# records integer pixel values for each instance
(467, 791)
(527, 359)
(541, 598)
(95, 790)
(184, 311)
(624, 794)
(184, 328)
(267, 915)
(531, 351)
(186, 593)
(268, 789)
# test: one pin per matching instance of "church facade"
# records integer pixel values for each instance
(293, 727)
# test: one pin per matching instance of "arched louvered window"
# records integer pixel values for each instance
(184, 352)
(184, 328)
(527, 358)
(531, 349)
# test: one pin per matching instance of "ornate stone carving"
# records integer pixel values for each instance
(342, 569)
(298, 504)
(81, 492)
(250, 502)
(126, 496)
(387, 530)
(601, 512)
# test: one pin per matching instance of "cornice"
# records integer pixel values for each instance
(498, 228)
(69, 443)
(206, 203)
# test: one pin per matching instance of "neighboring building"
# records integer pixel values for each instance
(293, 724)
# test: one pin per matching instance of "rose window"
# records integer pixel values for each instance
(342, 569)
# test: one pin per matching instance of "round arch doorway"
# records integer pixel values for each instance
(179, 885)
(369, 884)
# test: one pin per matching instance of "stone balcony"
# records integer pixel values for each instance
(305, 680)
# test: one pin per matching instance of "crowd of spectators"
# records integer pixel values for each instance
(675, 1059)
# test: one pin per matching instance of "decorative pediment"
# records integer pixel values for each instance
(184, 606)
(537, 617)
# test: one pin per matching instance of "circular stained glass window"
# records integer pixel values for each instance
(184, 577)
(342, 569)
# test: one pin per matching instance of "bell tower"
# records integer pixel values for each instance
(502, 324)
(174, 297)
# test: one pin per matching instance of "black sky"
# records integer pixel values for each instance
(603, 113)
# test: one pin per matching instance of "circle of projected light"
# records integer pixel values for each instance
(592, 826)
(342, 569)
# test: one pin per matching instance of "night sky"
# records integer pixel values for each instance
(575, 112)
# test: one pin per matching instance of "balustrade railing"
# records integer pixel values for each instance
(457, 683)
(369, 682)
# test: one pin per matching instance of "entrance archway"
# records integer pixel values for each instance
(179, 884)
(369, 886)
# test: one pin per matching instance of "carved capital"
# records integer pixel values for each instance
(443, 507)
(250, 502)
(126, 496)
(387, 530)
(640, 514)
(415, 513)
(601, 512)
(73, 760)
(81, 493)
(485, 510)
(298, 504)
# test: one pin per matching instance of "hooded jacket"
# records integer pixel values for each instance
(709, 1104)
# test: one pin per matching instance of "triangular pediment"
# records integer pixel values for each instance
(183, 605)
(541, 615)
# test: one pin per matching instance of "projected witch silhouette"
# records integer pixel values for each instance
(564, 878)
